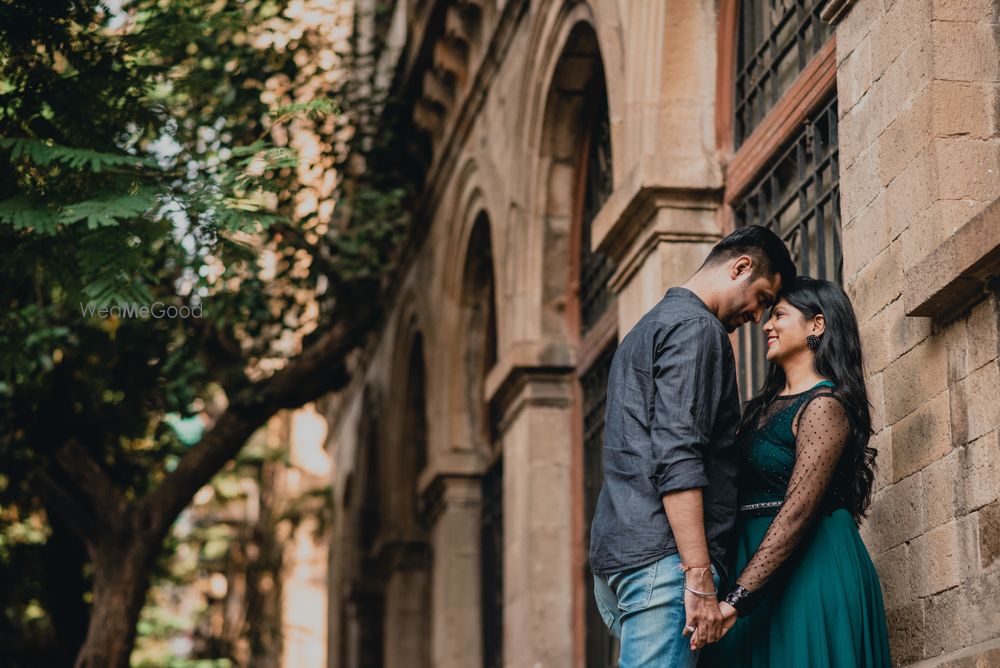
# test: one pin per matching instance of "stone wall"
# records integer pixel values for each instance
(918, 85)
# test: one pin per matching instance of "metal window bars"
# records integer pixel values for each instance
(798, 198)
(776, 40)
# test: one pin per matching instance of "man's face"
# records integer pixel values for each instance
(749, 298)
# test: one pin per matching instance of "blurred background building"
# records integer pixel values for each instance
(579, 158)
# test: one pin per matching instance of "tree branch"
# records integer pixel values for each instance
(80, 519)
(91, 480)
(319, 369)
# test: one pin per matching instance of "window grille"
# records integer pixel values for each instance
(776, 40)
(797, 197)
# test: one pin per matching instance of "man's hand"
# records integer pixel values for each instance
(702, 612)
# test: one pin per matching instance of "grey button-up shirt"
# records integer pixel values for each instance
(669, 425)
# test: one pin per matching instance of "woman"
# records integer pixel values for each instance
(805, 592)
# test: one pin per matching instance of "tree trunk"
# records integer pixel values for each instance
(64, 585)
(121, 576)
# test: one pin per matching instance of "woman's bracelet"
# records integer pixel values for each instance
(705, 594)
(739, 598)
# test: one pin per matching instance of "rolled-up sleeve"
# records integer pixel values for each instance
(688, 367)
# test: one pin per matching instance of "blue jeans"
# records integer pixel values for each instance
(644, 609)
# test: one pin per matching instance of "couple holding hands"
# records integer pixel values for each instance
(736, 531)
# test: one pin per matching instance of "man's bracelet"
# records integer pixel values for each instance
(704, 594)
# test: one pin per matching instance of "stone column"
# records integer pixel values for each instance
(537, 437)
(407, 622)
(454, 507)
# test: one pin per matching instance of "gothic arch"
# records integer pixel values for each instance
(572, 44)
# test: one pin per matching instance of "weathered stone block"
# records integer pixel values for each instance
(894, 572)
(882, 441)
(956, 340)
(963, 109)
(943, 489)
(859, 183)
(989, 534)
(982, 604)
(905, 332)
(964, 10)
(914, 378)
(911, 193)
(929, 228)
(969, 169)
(907, 135)
(921, 437)
(854, 75)
(905, 78)
(942, 633)
(899, 27)
(875, 343)
(983, 341)
(876, 396)
(906, 633)
(935, 559)
(981, 471)
(897, 515)
(878, 284)
(856, 24)
(982, 398)
(965, 51)
(867, 236)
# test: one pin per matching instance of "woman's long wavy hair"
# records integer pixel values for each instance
(839, 359)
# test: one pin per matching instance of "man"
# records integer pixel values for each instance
(668, 502)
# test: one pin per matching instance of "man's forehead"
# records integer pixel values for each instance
(769, 285)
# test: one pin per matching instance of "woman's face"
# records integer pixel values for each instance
(786, 331)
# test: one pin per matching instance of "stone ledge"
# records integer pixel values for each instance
(526, 357)
(654, 183)
(983, 654)
(955, 276)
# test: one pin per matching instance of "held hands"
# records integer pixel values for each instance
(703, 618)
(707, 620)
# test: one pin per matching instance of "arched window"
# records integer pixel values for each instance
(784, 173)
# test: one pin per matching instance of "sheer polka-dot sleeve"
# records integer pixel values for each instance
(823, 429)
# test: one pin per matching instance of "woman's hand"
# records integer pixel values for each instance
(728, 617)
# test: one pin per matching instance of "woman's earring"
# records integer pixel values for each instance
(812, 341)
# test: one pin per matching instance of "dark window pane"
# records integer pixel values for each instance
(798, 197)
(595, 268)
(775, 41)
(492, 566)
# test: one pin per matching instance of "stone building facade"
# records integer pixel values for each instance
(583, 156)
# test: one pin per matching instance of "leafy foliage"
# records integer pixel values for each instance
(183, 153)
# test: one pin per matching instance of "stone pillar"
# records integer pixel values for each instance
(407, 622)
(918, 84)
(537, 436)
(662, 218)
(454, 508)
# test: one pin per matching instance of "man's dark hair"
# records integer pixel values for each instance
(764, 247)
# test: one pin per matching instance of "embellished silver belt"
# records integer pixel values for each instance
(759, 506)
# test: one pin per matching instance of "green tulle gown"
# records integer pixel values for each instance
(818, 599)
